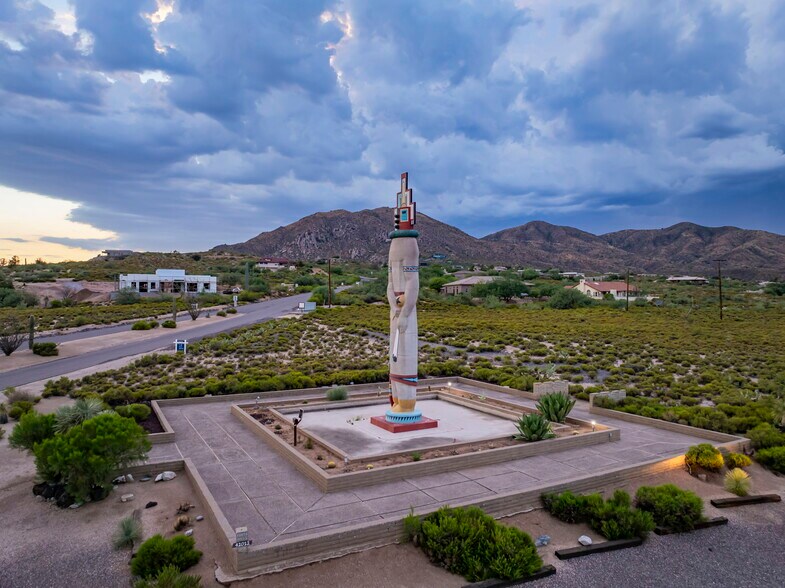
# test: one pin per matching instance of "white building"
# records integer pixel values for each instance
(274, 263)
(687, 280)
(165, 281)
(599, 289)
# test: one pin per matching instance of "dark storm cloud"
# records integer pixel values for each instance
(228, 118)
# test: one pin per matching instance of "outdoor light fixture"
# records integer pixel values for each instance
(296, 421)
(257, 402)
(594, 425)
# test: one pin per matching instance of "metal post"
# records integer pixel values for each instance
(719, 278)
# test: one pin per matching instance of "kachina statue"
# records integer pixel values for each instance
(403, 286)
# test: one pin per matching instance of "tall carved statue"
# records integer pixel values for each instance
(403, 286)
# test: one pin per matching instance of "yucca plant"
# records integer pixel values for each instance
(533, 427)
(737, 482)
(77, 413)
(128, 532)
(170, 577)
(555, 406)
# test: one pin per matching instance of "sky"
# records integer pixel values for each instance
(167, 125)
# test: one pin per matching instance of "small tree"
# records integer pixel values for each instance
(192, 307)
(89, 455)
(31, 333)
(566, 299)
(12, 335)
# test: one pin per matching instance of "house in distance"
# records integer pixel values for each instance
(273, 263)
(169, 281)
(601, 289)
(465, 285)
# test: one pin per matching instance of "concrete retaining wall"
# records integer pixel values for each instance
(542, 388)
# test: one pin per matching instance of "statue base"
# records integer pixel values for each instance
(403, 426)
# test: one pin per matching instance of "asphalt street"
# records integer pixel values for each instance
(249, 315)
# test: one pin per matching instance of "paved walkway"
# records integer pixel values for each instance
(258, 489)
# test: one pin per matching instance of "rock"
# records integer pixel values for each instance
(703, 477)
(126, 498)
(151, 504)
(119, 480)
(584, 540)
(199, 517)
(75, 505)
(542, 540)
(129, 478)
(64, 500)
(39, 498)
(165, 476)
(38, 489)
(48, 492)
(98, 493)
(145, 479)
(189, 532)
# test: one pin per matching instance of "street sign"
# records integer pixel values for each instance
(234, 299)
(181, 345)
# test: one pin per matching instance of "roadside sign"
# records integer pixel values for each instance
(181, 345)
(234, 299)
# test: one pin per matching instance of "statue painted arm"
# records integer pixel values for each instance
(411, 292)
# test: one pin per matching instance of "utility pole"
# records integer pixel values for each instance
(719, 279)
(246, 274)
(628, 289)
(330, 282)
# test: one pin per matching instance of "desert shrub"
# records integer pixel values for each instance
(704, 455)
(47, 349)
(533, 427)
(567, 299)
(138, 412)
(221, 313)
(142, 326)
(127, 296)
(766, 435)
(337, 393)
(737, 482)
(555, 406)
(671, 507)
(231, 310)
(736, 460)
(32, 428)
(63, 386)
(2, 432)
(170, 577)
(468, 542)
(169, 324)
(773, 458)
(157, 553)
(571, 508)
(12, 334)
(83, 409)
(13, 395)
(616, 519)
(128, 532)
(88, 455)
(19, 408)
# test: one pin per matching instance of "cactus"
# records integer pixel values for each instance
(555, 406)
(31, 333)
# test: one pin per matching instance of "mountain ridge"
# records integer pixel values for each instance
(684, 247)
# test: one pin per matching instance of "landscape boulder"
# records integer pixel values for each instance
(165, 476)
(584, 540)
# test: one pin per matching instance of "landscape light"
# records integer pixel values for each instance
(594, 425)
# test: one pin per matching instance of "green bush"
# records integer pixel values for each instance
(736, 460)
(157, 553)
(18, 408)
(613, 518)
(555, 406)
(63, 386)
(671, 507)
(169, 324)
(142, 326)
(737, 482)
(88, 456)
(773, 458)
(231, 310)
(127, 296)
(221, 313)
(170, 577)
(32, 428)
(468, 542)
(45, 349)
(128, 532)
(616, 519)
(138, 412)
(571, 508)
(533, 427)
(567, 299)
(766, 435)
(704, 455)
(337, 393)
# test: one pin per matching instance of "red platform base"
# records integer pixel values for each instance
(423, 423)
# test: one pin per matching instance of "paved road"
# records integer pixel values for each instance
(251, 314)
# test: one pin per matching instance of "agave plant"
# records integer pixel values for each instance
(533, 427)
(77, 413)
(737, 482)
(555, 406)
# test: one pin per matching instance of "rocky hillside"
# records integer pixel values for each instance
(682, 248)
